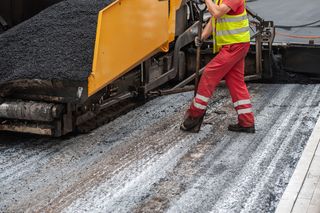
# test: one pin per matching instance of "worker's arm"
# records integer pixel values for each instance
(207, 31)
(217, 10)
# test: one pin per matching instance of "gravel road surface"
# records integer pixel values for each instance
(142, 162)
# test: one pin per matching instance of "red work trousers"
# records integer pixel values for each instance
(228, 65)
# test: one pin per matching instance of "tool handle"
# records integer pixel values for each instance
(198, 56)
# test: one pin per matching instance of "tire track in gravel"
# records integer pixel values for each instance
(126, 162)
(113, 133)
(291, 142)
(107, 203)
(156, 135)
(133, 184)
(188, 170)
(277, 142)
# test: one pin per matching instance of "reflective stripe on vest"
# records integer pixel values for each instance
(230, 29)
(232, 32)
(233, 19)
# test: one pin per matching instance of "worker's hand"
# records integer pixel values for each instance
(197, 41)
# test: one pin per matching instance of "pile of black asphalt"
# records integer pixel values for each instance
(56, 44)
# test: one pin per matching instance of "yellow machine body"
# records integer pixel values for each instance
(128, 32)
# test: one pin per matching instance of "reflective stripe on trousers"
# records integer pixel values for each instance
(245, 106)
(241, 102)
(200, 102)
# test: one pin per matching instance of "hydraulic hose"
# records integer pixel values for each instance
(298, 36)
(311, 24)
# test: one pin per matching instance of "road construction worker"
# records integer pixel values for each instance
(230, 27)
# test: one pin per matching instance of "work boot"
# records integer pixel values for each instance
(238, 128)
(192, 124)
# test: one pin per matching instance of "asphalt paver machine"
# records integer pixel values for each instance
(142, 48)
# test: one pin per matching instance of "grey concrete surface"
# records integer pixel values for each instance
(142, 162)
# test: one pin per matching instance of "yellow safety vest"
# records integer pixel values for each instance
(230, 29)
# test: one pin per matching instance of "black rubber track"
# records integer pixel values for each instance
(56, 44)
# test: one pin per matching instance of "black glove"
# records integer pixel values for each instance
(197, 41)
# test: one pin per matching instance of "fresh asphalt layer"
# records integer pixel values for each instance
(56, 44)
